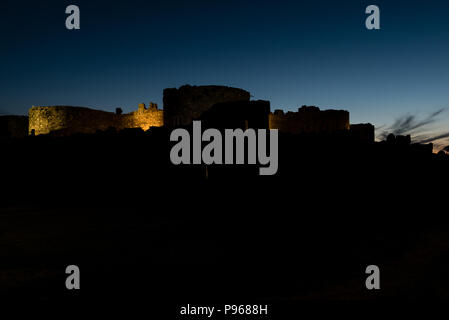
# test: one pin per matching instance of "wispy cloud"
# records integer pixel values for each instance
(418, 129)
(433, 138)
(410, 124)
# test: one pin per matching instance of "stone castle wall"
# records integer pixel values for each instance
(237, 114)
(143, 118)
(220, 105)
(363, 132)
(183, 105)
(309, 120)
(67, 120)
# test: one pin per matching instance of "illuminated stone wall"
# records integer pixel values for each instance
(183, 105)
(144, 118)
(67, 120)
(309, 120)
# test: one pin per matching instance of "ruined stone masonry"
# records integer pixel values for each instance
(362, 132)
(66, 120)
(309, 119)
(187, 103)
(217, 105)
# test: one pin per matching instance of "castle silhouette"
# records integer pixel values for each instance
(338, 199)
(220, 106)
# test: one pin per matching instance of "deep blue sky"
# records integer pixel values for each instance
(289, 52)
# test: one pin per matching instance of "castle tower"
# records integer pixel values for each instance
(183, 105)
(141, 108)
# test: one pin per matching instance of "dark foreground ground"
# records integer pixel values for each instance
(156, 255)
(145, 232)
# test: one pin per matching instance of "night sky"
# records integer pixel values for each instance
(289, 52)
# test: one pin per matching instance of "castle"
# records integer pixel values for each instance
(215, 104)
(65, 120)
